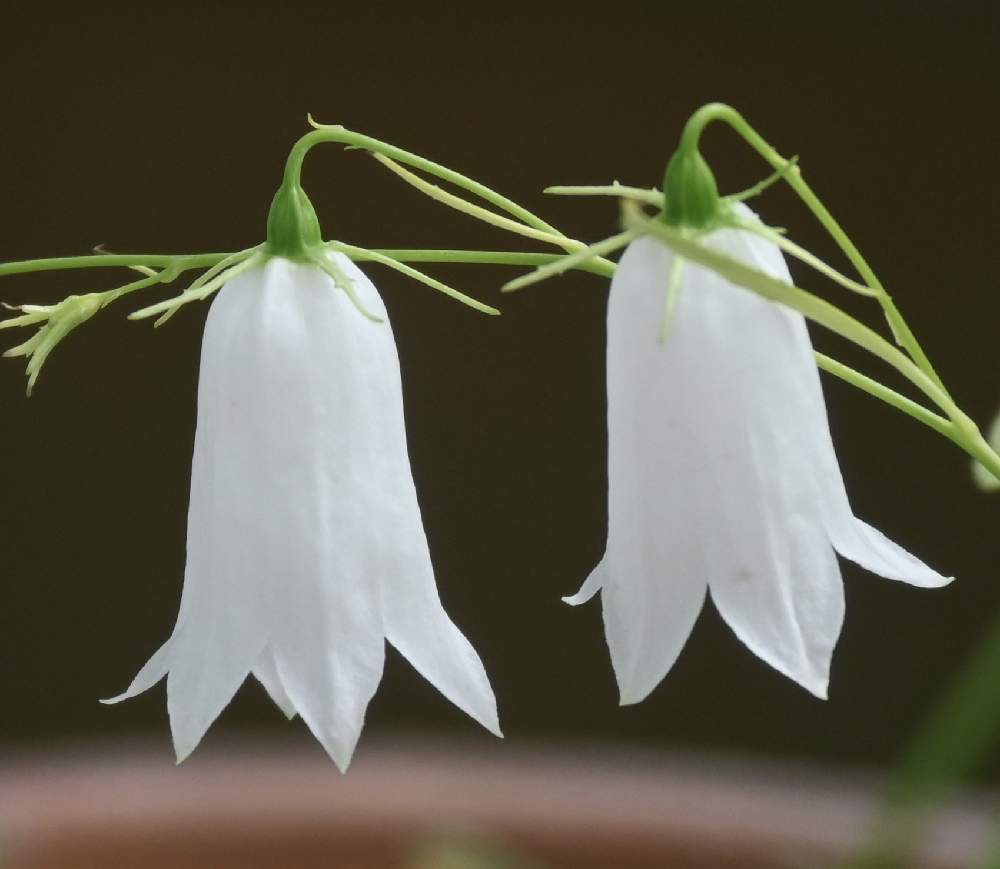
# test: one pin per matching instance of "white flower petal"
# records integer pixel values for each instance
(648, 618)
(152, 671)
(266, 672)
(304, 522)
(417, 625)
(722, 470)
(869, 547)
(330, 661)
(208, 668)
(591, 585)
(654, 570)
(415, 622)
(772, 570)
(296, 387)
(791, 614)
(851, 537)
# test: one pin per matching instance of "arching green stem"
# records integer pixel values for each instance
(337, 133)
(526, 222)
(793, 176)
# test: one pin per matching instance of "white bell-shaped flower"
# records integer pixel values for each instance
(722, 475)
(306, 549)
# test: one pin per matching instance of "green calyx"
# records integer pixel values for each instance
(692, 196)
(693, 200)
(292, 225)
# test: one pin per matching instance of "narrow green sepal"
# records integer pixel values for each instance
(292, 225)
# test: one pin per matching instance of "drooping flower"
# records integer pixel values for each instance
(722, 474)
(306, 549)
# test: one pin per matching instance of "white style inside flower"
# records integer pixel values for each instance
(306, 549)
(722, 475)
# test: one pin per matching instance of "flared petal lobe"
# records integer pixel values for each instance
(418, 626)
(722, 475)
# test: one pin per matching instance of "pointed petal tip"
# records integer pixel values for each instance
(865, 545)
(815, 680)
(339, 750)
(493, 726)
(630, 693)
(817, 685)
(486, 715)
(182, 751)
(591, 586)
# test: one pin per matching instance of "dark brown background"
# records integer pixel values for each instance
(164, 128)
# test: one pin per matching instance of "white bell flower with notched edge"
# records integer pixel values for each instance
(306, 549)
(722, 475)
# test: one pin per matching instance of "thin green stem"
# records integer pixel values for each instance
(801, 254)
(577, 259)
(866, 384)
(793, 176)
(473, 210)
(112, 260)
(199, 293)
(650, 196)
(772, 179)
(360, 254)
(800, 300)
(337, 133)
(164, 277)
(206, 276)
(526, 223)
(984, 479)
(489, 257)
(965, 432)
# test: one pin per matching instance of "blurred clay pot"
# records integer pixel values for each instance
(261, 806)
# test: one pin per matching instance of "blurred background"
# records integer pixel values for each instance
(164, 128)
